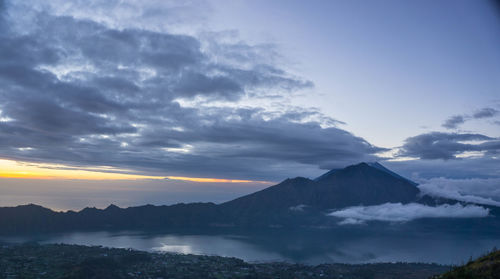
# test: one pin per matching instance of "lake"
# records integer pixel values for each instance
(303, 246)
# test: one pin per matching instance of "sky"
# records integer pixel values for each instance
(134, 102)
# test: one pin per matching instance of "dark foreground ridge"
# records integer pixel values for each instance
(73, 261)
(485, 267)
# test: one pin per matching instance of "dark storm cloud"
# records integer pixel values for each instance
(436, 145)
(80, 93)
(454, 121)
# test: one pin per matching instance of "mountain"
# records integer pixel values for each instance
(363, 184)
(296, 202)
(359, 184)
(378, 166)
(33, 218)
(303, 198)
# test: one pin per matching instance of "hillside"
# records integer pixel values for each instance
(485, 267)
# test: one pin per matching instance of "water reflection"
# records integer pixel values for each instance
(311, 247)
(222, 245)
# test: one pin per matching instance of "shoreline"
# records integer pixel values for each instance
(33, 260)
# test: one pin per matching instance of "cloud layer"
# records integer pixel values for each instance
(473, 190)
(438, 145)
(455, 121)
(103, 88)
(397, 212)
(80, 92)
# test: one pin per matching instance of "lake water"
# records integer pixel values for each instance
(310, 247)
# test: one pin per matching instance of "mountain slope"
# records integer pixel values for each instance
(301, 200)
(378, 166)
(485, 267)
(273, 205)
(353, 185)
(362, 184)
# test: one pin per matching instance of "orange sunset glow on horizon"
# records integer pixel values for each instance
(28, 170)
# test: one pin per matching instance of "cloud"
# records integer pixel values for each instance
(454, 121)
(2, 9)
(298, 208)
(485, 113)
(153, 15)
(473, 167)
(397, 212)
(437, 145)
(80, 91)
(473, 190)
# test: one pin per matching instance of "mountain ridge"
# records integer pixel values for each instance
(294, 202)
(300, 197)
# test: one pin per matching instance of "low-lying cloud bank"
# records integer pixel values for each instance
(474, 190)
(398, 212)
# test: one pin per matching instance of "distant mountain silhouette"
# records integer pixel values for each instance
(296, 202)
(363, 184)
(34, 218)
(360, 184)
